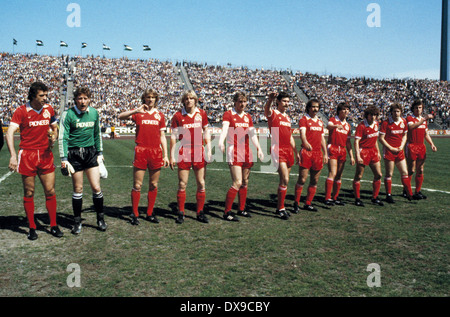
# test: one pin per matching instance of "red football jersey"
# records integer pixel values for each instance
(417, 135)
(314, 131)
(34, 126)
(339, 136)
(394, 131)
(148, 128)
(239, 127)
(368, 134)
(189, 127)
(280, 129)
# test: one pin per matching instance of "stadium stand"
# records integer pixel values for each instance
(118, 83)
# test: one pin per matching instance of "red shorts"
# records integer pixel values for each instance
(395, 157)
(241, 157)
(369, 155)
(336, 152)
(416, 152)
(33, 162)
(191, 157)
(311, 159)
(284, 154)
(147, 157)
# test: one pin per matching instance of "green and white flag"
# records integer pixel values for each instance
(106, 48)
(63, 44)
(83, 45)
(39, 43)
(127, 48)
(146, 48)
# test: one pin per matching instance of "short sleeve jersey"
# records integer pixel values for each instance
(189, 127)
(314, 131)
(394, 131)
(339, 136)
(238, 128)
(280, 129)
(34, 126)
(417, 135)
(148, 128)
(368, 134)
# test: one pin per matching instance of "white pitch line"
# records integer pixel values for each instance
(275, 173)
(5, 176)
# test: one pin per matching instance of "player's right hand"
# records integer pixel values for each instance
(13, 164)
(67, 169)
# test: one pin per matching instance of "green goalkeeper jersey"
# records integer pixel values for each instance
(79, 129)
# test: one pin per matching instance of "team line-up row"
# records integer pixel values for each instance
(81, 152)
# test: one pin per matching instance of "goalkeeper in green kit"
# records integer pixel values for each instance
(80, 149)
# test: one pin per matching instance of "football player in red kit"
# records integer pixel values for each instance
(338, 146)
(283, 148)
(237, 128)
(393, 134)
(312, 155)
(38, 133)
(368, 153)
(190, 127)
(416, 151)
(150, 151)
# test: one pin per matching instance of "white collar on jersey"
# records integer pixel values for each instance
(279, 112)
(78, 110)
(367, 123)
(337, 118)
(184, 112)
(233, 111)
(29, 107)
(309, 117)
(391, 120)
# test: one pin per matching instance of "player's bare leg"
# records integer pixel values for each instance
(48, 184)
(376, 184)
(201, 194)
(359, 172)
(93, 176)
(153, 180)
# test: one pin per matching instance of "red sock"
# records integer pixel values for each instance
(419, 182)
(336, 189)
(201, 197)
(181, 199)
(135, 197)
(388, 185)
(50, 203)
(281, 196)
(151, 198)
(376, 185)
(231, 195)
(311, 194)
(28, 204)
(242, 197)
(328, 188)
(298, 192)
(356, 189)
(406, 181)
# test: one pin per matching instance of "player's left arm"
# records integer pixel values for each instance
(430, 141)
(255, 141)
(98, 137)
(207, 138)
(350, 151)
(323, 145)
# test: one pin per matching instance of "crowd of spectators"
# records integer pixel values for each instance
(18, 71)
(117, 85)
(216, 85)
(360, 92)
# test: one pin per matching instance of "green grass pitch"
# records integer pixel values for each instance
(312, 254)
